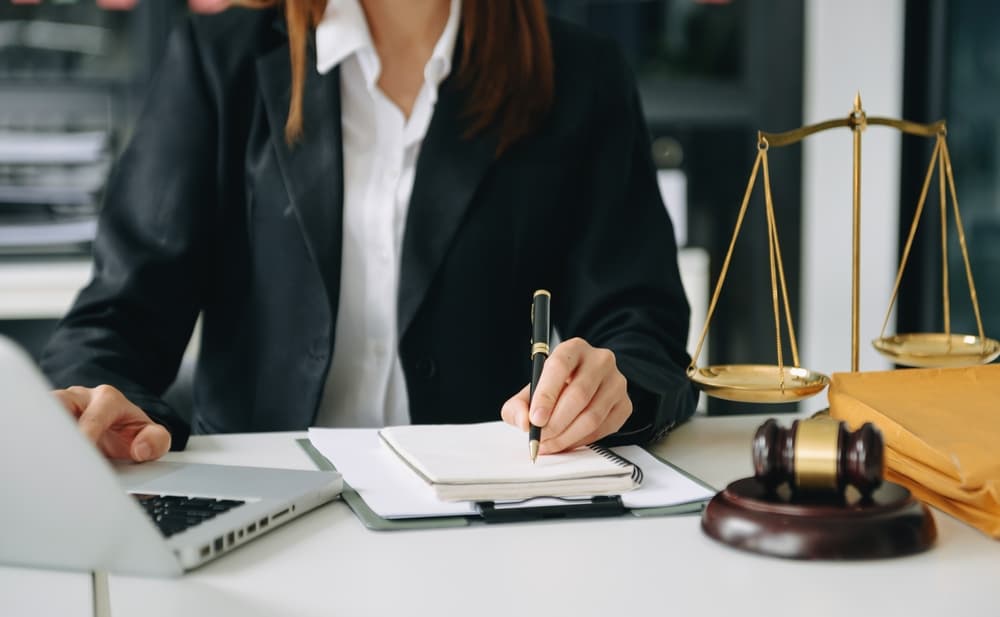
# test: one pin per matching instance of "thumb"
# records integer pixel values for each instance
(152, 442)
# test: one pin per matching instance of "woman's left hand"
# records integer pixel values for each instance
(581, 397)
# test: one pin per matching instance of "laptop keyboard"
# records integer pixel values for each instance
(173, 514)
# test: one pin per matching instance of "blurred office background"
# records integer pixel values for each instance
(710, 72)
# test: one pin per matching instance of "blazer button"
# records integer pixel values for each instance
(426, 368)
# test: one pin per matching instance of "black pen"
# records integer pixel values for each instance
(539, 352)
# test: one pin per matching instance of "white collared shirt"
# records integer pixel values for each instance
(365, 386)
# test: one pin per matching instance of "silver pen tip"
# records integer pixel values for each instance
(533, 449)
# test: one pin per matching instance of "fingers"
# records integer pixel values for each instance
(515, 410)
(73, 400)
(597, 380)
(151, 442)
(559, 368)
(103, 405)
(114, 424)
(580, 397)
(577, 434)
(616, 419)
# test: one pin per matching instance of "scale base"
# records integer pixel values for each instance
(820, 526)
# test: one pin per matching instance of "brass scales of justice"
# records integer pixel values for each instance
(818, 492)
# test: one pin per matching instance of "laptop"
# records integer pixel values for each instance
(66, 507)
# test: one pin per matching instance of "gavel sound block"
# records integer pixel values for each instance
(818, 493)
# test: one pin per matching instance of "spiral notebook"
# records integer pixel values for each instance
(489, 461)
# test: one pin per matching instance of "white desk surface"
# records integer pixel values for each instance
(37, 593)
(327, 563)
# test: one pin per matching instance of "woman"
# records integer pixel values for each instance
(359, 198)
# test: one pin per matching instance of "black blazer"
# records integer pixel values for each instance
(208, 210)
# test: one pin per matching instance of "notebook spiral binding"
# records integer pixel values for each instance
(620, 460)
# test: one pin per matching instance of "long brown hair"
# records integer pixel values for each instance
(506, 68)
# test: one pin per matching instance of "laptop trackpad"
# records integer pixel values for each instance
(188, 479)
(224, 481)
(132, 475)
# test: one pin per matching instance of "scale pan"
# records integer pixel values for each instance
(937, 350)
(757, 383)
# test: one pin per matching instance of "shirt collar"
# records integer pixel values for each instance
(439, 65)
(343, 31)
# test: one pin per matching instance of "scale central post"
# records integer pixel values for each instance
(857, 122)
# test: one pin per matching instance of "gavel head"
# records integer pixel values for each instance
(818, 454)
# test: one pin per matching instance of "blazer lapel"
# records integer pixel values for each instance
(449, 169)
(312, 167)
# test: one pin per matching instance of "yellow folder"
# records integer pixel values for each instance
(942, 433)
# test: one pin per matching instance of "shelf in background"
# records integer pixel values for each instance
(42, 288)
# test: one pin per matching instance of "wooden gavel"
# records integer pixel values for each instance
(818, 455)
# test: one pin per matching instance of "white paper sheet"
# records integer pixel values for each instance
(390, 489)
(662, 485)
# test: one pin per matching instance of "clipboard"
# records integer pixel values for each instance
(538, 509)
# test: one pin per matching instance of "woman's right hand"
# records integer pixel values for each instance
(110, 421)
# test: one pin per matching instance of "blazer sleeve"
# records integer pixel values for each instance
(623, 284)
(130, 325)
